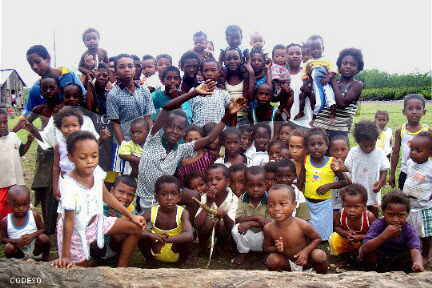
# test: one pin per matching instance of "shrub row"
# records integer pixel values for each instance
(388, 94)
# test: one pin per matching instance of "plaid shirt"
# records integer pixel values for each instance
(206, 109)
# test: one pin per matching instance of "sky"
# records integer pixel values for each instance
(394, 36)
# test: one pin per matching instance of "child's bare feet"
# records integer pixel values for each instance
(239, 259)
(299, 115)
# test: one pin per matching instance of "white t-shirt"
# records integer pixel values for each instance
(154, 81)
(11, 170)
(258, 159)
(418, 184)
(229, 204)
(365, 169)
(296, 84)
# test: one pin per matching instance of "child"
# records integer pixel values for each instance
(314, 68)
(91, 39)
(171, 230)
(131, 151)
(283, 94)
(81, 219)
(256, 40)
(284, 132)
(237, 179)
(285, 152)
(317, 181)
(138, 69)
(418, 187)
(339, 148)
(264, 111)
(291, 242)
(392, 244)
(163, 61)
(23, 230)
(90, 65)
(148, 66)
(233, 36)
(251, 215)
(219, 197)
(274, 150)
(351, 223)
(200, 45)
(11, 149)
(414, 110)
(279, 58)
(231, 141)
(246, 134)
(270, 174)
(368, 166)
(385, 133)
(297, 149)
(261, 67)
(197, 182)
(190, 64)
(261, 136)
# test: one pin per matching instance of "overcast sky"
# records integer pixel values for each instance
(395, 36)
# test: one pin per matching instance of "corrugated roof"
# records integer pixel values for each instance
(5, 73)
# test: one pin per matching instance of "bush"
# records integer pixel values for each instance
(388, 94)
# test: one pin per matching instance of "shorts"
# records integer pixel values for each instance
(166, 254)
(421, 220)
(339, 245)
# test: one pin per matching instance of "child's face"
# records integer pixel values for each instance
(234, 39)
(232, 145)
(69, 125)
(148, 67)
(257, 41)
(238, 182)
(294, 56)
(246, 140)
(162, 64)
(420, 149)
(4, 129)
(192, 136)
(125, 69)
(279, 56)
(91, 41)
(175, 129)
(139, 133)
(20, 204)
(102, 77)
(339, 149)
(353, 205)
(316, 48)
(280, 204)
(200, 44)
(262, 139)
(263, 95)
(199, 185)
(89, 61)
(49, 88)
(317, 146)
(381, 121)
(216, 180)
(38, 64)
(85, 156)
(125, 194)
(270, 179)
(395, 214)
(210, 71)
(138, 69)
(190, 67)
(349, 67)
(232, 60)
(284, 134)
(172, 80)
(367, 146)
(275, 152)
(255, 186)
(285, 175)
(168, 196)
(414, 110)
(257, 62)
(297, 148)
(285, 153)
(72, 96)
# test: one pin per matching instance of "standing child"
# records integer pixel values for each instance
(414, 110)
(91, 38)
(22, 230)
(200, 45)
(368, 166)
(231, 141)
(237, 179)
(261, 136)
(339, 148)
(263, 110)
(291, 242)
(385, 133)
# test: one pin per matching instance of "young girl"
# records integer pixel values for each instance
(297, 149)
(275, 150)
(414, 110)
(263, 110)
(318, 180)
(196, 182)
(284, 132)
(279, 58)
(81, 219)
(339, 149)
(261, 136)
(231, 142)
(368, 166)
(385, 133)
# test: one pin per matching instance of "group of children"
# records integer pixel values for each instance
(262, 184)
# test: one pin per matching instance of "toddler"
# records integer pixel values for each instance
(339, 148)
(91, 38)
(148, 66)
(385, 133)
(231, 141)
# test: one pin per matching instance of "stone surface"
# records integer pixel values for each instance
(44, 275)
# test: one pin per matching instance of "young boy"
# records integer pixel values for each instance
(148, 66)
(91, 39)
(251, 215)
(391, 243)
(23, 229)
(237, 179)
(291, 242)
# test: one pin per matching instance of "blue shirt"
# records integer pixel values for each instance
(160, 99)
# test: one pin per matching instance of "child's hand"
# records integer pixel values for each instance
(156, 238)
(337, 165)
(392, 231)
(261, 220)
(376, 187)
(301, 258)
(105, 134)
(417, 267)
(279, 245)
(248, 65)
(64, 262)
(27, 239)
(206, 88)
(323, 189)
(392, 181)
(243, 227)
(211, 195)
(139, 220)
(237, 105)
(268, 64)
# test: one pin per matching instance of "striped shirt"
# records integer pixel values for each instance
(200, 166)
(342, 122)
(211, 108)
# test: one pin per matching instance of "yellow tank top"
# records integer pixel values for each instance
(173, 232)
(317, 176)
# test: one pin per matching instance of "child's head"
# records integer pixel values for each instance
(395, 207)
(91, 39)
(190, 64)
(316, 46)
(350, 62)
(139, 130)
(200, 42)
(237, 177)
(255, 182)
(210, 69)
(421, 147)
(306, 52)
(270, 174)
(294, 54)
(196, 182)
(317, 143)
(138, 67)
(175, 126)
(264, 94)
(124, 67)
(297, 145)
(83, 151)
(218, 177)
(286, 172)
(258, 60)
(233, 59)
(381, 119)
(233, 35)
(193, 133)
(163, 61)
(275, 149)
(68, 120)
(167, 192)
(339, 147)
(72, 95)
(148, 65)
(414, 108)
(261, 136)
(89, 61)
(50, 87)
(39, 59)
(207, 128)
(102, 75)
(231, 141)
(285, 130)
(124, 189)
(354, 198)
(4, 127)
(279, 55)
(281, 202)
(111, 64)
(256, 40)
(285, 154)
(366, 135)
(246, 136)
(19, 200)
(171, 78)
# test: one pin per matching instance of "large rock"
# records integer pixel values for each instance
(44, 275)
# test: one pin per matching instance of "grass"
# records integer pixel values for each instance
(367, 112)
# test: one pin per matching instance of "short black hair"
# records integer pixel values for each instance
(354, 190)
(177, 112)
(189, 55)
(261, 125)
(237, 167)
(286, 164)
(166, 56)
(77, 136)
(271, 167)
(127, 180)
(316, 37)
(246, 129)
(284, 187)
(39, 50)
(89, 30)
(365, 131)
(194, 128)
(355, 53)
(112, 59)
(230, 131)
(274, 143)
(287, 124)
(219, 166)
(51, 76)
(118, 57)
(316, 131)
(339, 137)
(200, 34)
(67, 112)
(148, 57)
(294, 44)
(192, 176)
(135, 58)
(382, 112)
(18, 189)
(140, 120)
(165, 179)
(257, 50)
(232, 29)
(209, 60)
(426, 134)
(395, 197)
(255, 170)
(76, 86)
(414, 96)
(170, 69)
(102, 65)
(276, 47)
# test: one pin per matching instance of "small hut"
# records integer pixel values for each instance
(11, 84)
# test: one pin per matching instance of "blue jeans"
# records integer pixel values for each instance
(324, 95)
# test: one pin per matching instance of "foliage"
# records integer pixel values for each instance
(379, 79)
(387, 94)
